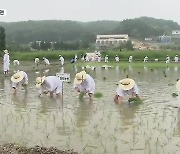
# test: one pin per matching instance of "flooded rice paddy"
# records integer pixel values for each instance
(101, 126)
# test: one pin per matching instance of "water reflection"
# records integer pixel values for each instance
(49, 103)
(62, 70)
(7, 87)
(20, 101)
(178, 122)
(175, 68)
(127, 112)
(83, 113)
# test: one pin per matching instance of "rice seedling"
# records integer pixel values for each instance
(136, 100)
(81, 95)
(174, 94)
(98, 95)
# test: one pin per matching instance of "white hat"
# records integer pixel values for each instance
(6, 51)
(126, 84)
(80, 77)
(39, 81)
(17, 77)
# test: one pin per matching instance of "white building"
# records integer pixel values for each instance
(111, 40)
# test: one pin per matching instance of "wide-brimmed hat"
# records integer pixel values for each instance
(178, 85)
(6, 51)
(17, 77)
(39, 81)
(80, 77)
(126, 84)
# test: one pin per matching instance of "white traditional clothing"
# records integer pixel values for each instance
(117, 59)
(51, 84)
(145, 59)
(87, 85)
(24, 81)
(75, 58)
(130, 59)
(6, 62)
(61, 59)
(167, 59)
(106, 59)
(176, 59)
(36, 60)
(99, 59)
(123, 93)
(46, 61)
(16, 63)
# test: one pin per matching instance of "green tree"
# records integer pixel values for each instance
(129, 45)
(2, 38)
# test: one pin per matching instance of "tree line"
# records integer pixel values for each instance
(69, 35)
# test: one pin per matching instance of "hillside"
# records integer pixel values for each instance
(70, 31)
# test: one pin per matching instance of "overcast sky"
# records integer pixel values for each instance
(89, 10)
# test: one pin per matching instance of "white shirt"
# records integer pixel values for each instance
(87, 85)
(106, 59)
(116, 58)
(36, 60)
(176, 59)
(6, 62)
(99, 59)
(46, 61)
(51, 84)
(130, 92)
(146, 59)
(23, 81)
(62, 60)
(130, 58)
(16, 62)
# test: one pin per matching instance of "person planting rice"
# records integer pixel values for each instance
(49, 84)
(106, 59)
(127, 87)
(116, 58)
(46, 61)
(130, 59)
(36, 60)
(18, 77)
(84, 83)
(61, 59)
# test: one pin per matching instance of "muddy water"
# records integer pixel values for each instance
(101, 126)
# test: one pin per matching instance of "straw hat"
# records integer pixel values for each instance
(39, 81)
(178, 85)
(126, 84)
(5, 51)
(80, 77)
(17, 77)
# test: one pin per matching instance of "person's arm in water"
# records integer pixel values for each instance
(14, 87)
(119, 96)
(118, 99)
(135, 91)
(77, 87)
